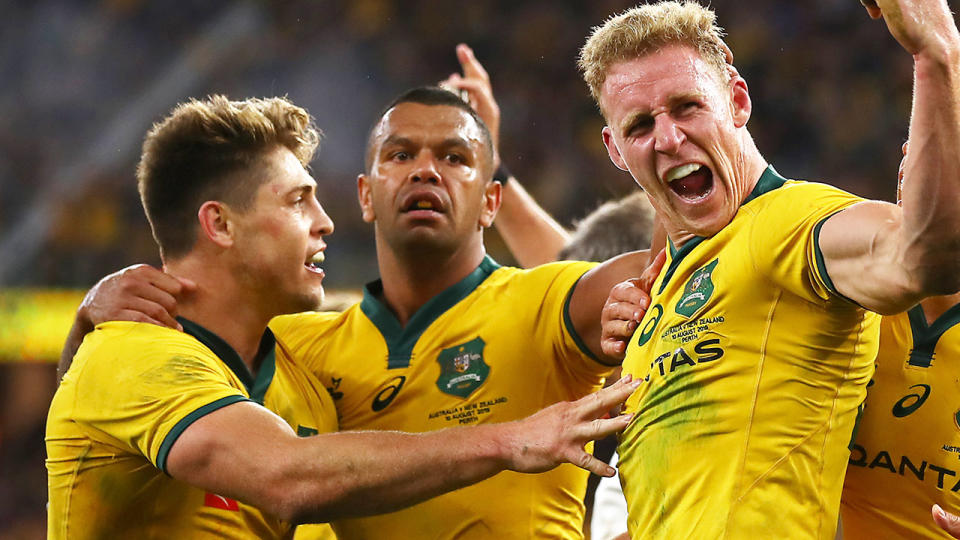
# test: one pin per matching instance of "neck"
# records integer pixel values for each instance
(220, 304)
(410, 280)
(749, 166)
(935, 306)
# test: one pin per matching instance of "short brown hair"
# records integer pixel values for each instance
(615, 227)
(646, 28)
(191, 156)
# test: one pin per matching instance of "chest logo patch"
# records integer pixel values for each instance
(462, 369)
(697, 291)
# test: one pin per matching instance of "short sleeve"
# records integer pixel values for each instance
(144, 392)
(551, 287)
(784, 237)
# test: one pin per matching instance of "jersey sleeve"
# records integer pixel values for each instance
(552, 284)
(784, 239)
(147, 392)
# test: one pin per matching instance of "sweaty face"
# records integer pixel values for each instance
(428, 186)
(674, 124)
(279, 238)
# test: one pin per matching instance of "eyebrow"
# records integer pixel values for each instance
(396, 140)
(634, 118)
(450, 142)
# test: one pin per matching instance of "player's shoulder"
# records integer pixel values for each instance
(142, 338)
(312, 322)
(509, 276)
(799, 192)
(118, 349)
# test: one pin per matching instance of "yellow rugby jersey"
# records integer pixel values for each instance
(754, 369)
(132, 389)
(495, 347)
(907, 450)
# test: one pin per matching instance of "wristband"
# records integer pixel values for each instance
(502, 174)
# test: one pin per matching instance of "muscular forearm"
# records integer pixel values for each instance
(532, 235)
(249, 453)
(362, 473)
(931, 182)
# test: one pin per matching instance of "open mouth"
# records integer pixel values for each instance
(690, 182)
(424, 202)
(314, 262)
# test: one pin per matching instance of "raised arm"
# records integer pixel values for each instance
(532, 234)
(246, 452)
(884, 257)
(138, 293)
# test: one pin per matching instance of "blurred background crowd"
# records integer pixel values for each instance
(82, 81)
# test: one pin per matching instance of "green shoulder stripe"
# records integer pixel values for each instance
(821, 264)
(186, 421)
(568, 322)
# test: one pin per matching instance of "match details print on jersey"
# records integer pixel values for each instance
(753, 370)
(495, 347)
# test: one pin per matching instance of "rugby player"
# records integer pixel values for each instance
(215, 431)
(758, 345)
(448, 337)
(907, 438)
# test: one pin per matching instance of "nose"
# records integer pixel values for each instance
(322, 224)
(668, 137)
(425, 169)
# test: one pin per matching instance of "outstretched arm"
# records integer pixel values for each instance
(910, 253)
(138, 293)
(532, 234)
(348, 474)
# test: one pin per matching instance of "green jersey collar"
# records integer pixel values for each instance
(769, 181)
(925, 337)
(266, 358)
(400, 340)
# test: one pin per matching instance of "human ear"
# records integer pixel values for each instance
(740, 104)
(216, 223)
(612, 150)
(365, 198)
(492, 197)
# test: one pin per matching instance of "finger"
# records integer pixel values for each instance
(614, 348)
(470, 85)
(140, 317)
(872, 8)
(604, 427)
(620, 311)
(598, 403)
(594, 465)
(946, 521)
(472, 69)
(652, 271)
(156, 313)
(625, 291)
(140, 294)
(148, 274)
(186, 285)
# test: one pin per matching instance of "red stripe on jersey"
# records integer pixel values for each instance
(218, 501)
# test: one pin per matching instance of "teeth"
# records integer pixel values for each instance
(425, 205)
(317, 258)
(681, 171)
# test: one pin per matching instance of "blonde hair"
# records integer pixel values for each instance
(192, 155)
(646, 28)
